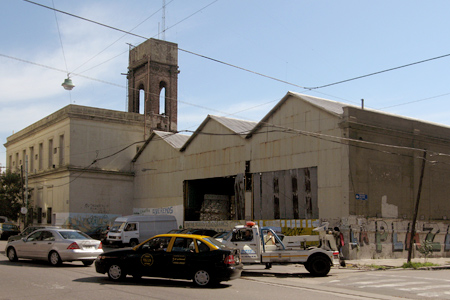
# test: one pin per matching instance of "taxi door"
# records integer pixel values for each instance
(181, 258)
(150, 259)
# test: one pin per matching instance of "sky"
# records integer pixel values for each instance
(297, 43)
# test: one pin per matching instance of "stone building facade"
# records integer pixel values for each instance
(308, 162)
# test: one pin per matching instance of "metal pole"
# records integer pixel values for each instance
(26, 189)
(413, 228)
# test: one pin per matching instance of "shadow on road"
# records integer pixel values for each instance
(169, 283)
(40, 264)
(268, 273)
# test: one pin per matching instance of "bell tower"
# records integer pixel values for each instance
(153, 80)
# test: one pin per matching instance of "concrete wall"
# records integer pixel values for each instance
(274, 147)
(89, 171)
(390, 175)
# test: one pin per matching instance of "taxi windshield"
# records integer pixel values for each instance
(215, 242)
(117, 227)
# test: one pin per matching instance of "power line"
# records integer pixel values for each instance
(379, 72)
(244, 69)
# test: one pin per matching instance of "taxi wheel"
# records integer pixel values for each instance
(54, 258)
(116, 272)
(203, 278)
(12, 256)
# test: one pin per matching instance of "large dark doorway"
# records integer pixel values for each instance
(206, 199)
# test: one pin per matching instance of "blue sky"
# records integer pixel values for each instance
(306, 43)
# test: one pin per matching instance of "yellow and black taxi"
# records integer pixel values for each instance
(182, 256)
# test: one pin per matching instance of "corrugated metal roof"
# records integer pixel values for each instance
(238, 126)
(176, 140)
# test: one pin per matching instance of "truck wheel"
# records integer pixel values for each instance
(116, 272)
(307, 267)
(133, 243)
(318, 266)
(203, 278)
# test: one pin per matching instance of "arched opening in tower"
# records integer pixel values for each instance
(162, 98)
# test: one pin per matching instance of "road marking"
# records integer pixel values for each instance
(394, 284)
(423, 288)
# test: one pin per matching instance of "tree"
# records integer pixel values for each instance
(10, 195)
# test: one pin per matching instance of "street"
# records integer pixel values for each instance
(28, 279)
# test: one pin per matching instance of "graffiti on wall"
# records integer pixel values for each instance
(382, 238)
(286, 227)
(84, 222)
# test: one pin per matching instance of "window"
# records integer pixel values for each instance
(39, 215)
(131, 227)
(202, 247)
(183, 245)
(49, 215)
(162, 98)
(24, 156)
(50, 154)
(61, 150)
(242, 235)
(157, 244)
(47, 236)
(34, 236)
(31, 160)
(41, 155)
(141, 100)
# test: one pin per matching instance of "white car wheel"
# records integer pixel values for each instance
(12, 256)
(54, 258)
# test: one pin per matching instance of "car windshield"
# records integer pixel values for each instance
(74, 235)
(223, 235)
(215, 242)
(117, 227)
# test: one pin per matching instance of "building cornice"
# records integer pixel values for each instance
(77, 112)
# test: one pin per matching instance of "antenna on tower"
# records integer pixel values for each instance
(163, 35)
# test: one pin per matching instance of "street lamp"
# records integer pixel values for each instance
(68, 84)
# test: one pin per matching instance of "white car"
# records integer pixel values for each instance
(56, 246)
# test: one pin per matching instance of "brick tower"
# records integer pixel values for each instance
(153, 69)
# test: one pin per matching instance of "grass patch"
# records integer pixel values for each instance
(372, 266)
(416, 265)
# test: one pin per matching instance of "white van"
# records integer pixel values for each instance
(134, 229)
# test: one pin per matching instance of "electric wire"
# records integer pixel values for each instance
(60, 39)
(140, 23)
(248, 70)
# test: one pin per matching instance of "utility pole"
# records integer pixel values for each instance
(26, 190)
(413, 229)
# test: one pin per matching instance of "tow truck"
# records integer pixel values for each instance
(258, 247)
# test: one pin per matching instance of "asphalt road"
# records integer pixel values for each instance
(28, 279)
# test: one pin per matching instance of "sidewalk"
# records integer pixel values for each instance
(442, 262)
